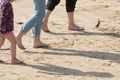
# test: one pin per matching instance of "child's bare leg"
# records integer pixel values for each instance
(12, 41)
(2, 40)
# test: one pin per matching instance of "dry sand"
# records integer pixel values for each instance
(90, 55)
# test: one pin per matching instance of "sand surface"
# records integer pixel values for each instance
(90, 55)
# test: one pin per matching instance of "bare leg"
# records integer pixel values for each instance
(12, 41)
(2, 40)
(45, 21)
(19, 41)
(38, 43)
(71, 24)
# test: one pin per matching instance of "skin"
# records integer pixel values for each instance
(11, 38)
(11, 0)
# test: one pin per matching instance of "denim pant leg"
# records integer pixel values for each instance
(35, 21)
(40, 8)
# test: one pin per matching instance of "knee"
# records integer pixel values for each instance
(70, 5)
(51, 4)
(39, 14)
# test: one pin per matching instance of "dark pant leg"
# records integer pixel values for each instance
(51, 4)
(70, 5)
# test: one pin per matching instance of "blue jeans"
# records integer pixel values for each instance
(35, 21)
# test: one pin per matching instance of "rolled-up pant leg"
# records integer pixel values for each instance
(51, 4)
(70, 5)
(35, 21)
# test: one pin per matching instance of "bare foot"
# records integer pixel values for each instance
(40, 45)
(76, 28)
(45, 27)
(19, 44)
(16, 61)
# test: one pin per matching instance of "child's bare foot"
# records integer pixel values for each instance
(76, 28)
(45, 27)
(16, 61)
(19, 44)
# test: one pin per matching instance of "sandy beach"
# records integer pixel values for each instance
(93, 54)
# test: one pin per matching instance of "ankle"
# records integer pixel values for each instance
(72, 25)
(13, 59)
(45, 20)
